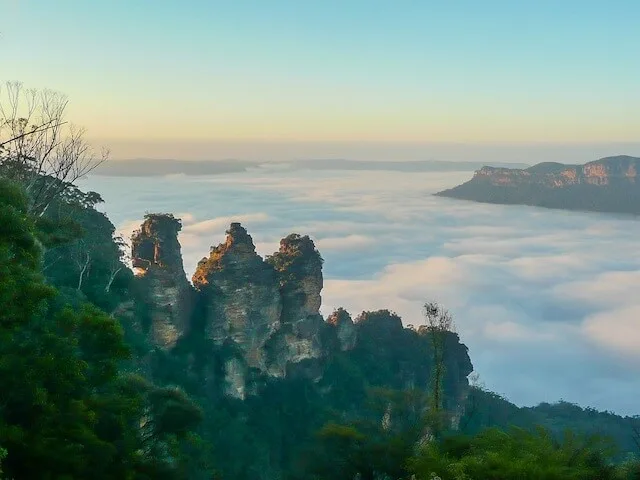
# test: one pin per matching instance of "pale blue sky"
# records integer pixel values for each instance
(350, 70)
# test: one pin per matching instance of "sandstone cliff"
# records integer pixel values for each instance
(267, 310)
(608, 171)
(253, 319)
(606, 185)
(241, 295)
(157, 262)
(241, 303)
(299, 269)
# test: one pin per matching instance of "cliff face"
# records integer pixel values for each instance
(608, 171)
(299, 270)
(157, 262)
(259, 318)
(241, 296)
(267, 310)
(605, 185)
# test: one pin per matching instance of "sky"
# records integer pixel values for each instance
(150, 77)
(546, 300)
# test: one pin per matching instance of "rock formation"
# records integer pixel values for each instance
(241, 295)
(267, 310)
(299, 269)
(241, 304)
(607, 171)
(257, 319)
(157, 261)
(605, 185)
(345, 328)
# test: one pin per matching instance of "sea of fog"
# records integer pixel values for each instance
(548, 302)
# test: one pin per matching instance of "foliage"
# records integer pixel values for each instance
(83, 253)
(66, 411)
(516, 453)
(77, 404)
(3, 454)
(485, 409)
(376, 442)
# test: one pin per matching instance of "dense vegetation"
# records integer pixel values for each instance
(85, 395)
(79, 401)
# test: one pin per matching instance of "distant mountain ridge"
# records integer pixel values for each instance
(142, 167)
(609, 184)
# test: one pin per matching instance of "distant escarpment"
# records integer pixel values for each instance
(606, 185)
(246, 321)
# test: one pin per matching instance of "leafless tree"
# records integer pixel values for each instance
(38, 147)
(83, 260)
(118, 264)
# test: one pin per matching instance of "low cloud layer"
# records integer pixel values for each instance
(547, 301)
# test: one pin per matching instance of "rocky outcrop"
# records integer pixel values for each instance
(606, 185)
(299, 270)
(241, 296)
(157, 262)
(607, 171)
(345, 328)
(268, 310)
(254, 319)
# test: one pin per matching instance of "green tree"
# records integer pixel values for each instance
(504, 455)
(65, 412)
(438, 324)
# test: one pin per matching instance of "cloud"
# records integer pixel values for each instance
(618, 330)
(514, 332)
(607, 289)
(547, 301)
(215, 225)
(187, 218)
(349, 242)
(127, 228)
(549, 267)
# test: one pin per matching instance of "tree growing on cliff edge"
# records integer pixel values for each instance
(38, 147)
(438, 323)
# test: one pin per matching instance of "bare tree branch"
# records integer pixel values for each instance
(38, 147)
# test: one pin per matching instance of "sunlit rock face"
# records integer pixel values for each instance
(157, 262)
(606, 185)
(240, 294)
(255, 319)
(621, 170)
(268, 309)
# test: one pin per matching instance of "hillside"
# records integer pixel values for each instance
(236, 375)
(606, 185)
